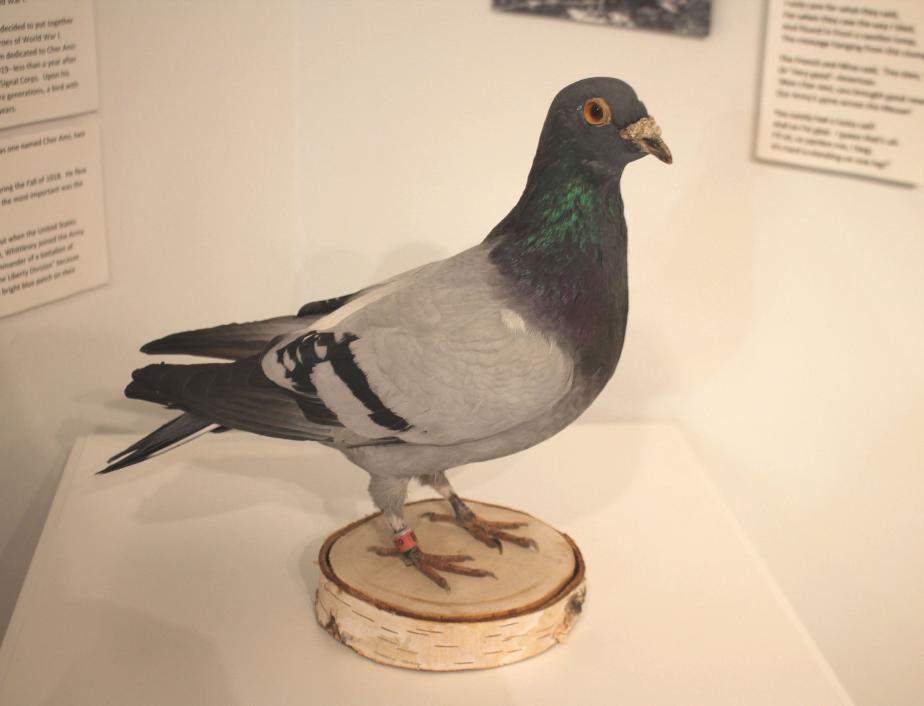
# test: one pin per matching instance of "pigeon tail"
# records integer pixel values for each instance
(237, 395)
(176, 431)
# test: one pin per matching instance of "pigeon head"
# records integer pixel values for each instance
(563, 246)
(601, 124)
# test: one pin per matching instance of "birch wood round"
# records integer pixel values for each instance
(394, 615)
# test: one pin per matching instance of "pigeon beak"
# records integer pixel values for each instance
(646, 136)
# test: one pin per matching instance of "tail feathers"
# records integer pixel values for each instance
(236, 395)
(174, 432)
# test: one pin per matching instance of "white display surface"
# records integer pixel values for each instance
(190, 580)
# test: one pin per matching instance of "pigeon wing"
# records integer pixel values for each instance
(439, 358)
(237, 341)
(481, 378)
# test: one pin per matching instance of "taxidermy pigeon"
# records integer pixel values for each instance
(477, 356)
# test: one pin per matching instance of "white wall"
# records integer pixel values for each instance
(775, 312)
(197, 130)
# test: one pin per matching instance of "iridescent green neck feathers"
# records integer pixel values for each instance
(563, 247)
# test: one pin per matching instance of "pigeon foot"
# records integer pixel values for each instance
(430, 564)
(487, 532)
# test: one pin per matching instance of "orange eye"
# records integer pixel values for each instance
(597, 112)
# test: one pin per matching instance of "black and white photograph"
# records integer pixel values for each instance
(685, 17)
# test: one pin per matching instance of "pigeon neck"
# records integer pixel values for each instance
(564, 207)
(564, 248)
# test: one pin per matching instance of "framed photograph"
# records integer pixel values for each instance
(685, 17)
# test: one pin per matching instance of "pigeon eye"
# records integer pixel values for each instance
(597, 112)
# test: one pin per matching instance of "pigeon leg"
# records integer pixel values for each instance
(487, 532)
(389, 495)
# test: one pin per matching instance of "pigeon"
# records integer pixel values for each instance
(467, 359)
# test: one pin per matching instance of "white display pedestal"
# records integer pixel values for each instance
(191, 580)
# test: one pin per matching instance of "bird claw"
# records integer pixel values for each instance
(428, 564)
(488, 532)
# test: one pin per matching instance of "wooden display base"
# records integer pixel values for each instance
(391, 613)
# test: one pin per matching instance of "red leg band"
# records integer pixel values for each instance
(405, 540)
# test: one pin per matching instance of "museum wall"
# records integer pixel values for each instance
(196, 120)
(775, 312)
(257, 155)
